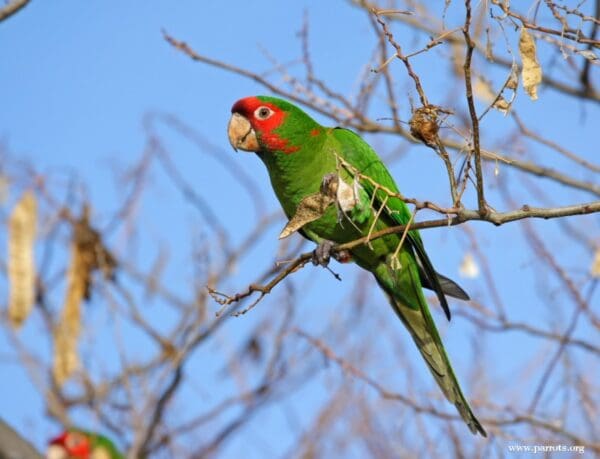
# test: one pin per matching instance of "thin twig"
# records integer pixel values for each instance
(482, 206)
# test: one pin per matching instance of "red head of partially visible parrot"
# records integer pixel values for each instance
(79, 444)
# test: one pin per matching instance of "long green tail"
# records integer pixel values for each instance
(403, 289)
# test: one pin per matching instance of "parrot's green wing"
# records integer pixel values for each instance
(403, 286)
(362, 157)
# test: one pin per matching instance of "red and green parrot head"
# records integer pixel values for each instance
(79, 444)
(269, 125)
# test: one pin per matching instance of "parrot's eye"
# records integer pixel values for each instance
(262, 113)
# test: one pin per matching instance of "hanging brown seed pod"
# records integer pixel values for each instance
(21, 262)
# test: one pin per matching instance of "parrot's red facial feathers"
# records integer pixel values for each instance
(264, 118)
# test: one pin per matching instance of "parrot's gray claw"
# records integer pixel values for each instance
(322, 254)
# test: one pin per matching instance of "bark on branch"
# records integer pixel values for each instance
(11, 8)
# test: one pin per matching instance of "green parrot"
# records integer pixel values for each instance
(81, 444)
(334, 189)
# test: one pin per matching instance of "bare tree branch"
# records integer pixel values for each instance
(11, 8)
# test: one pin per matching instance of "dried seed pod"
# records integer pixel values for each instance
(532, 71)
(66, 334)
(21, 262)
(88, 254)
(595, 268)
(93, 252)
(424, 125)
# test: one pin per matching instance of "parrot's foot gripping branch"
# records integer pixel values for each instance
(323, 253)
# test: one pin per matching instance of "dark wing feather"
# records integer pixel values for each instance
(449, 287)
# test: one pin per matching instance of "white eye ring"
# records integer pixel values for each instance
(262, 112)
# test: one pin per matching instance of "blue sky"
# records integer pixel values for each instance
(77, 79)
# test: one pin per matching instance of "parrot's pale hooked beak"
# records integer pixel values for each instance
(241, 135)
(56, 452)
